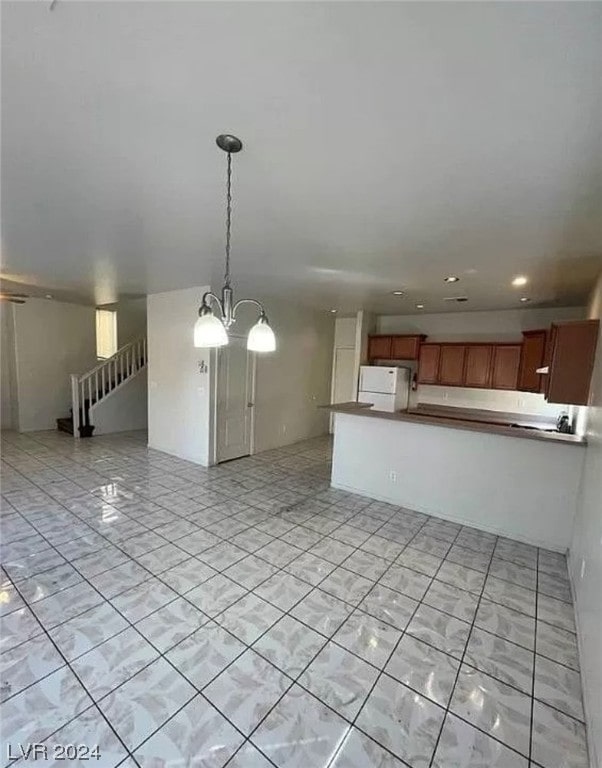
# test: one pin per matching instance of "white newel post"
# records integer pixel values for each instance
(75, 403)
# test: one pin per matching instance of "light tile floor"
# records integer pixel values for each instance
(249, 615)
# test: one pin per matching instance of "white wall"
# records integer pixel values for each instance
(52, 340)
(489, 399)
(344, 331)
(8, 385)
(343, 383)
(502, 325)
(124, 409)
(290, 383)
(179, 383)
(587, 547)
(293, 381)
(352, 333)
(516, 487)
(131, 320)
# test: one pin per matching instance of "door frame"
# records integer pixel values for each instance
(252, 359)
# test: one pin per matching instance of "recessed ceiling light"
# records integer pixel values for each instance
(419, 306)
(333, 311)
(525, 298)
(520, 280)
(451, 279)
(397, 293)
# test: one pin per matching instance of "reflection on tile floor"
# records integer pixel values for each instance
(249, 615)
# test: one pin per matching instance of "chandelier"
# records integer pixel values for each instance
(217, 315)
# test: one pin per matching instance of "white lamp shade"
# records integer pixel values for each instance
(261, 337)
(209, 331)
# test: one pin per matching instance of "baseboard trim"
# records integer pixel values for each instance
(178, 455)
(453, 519)
(591, 746)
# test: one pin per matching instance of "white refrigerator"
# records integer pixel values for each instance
(388, 389)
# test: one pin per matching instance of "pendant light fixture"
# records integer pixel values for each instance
(217, 315)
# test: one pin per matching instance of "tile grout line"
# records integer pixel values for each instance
(391, 654)
(92, 699)
(129, 752)
(131, 625)
(254, 525)
(282, 568)
(453, 688)
(295, 682)
(530, 755)
(354, 607)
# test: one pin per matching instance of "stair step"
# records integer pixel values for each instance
(65, 424)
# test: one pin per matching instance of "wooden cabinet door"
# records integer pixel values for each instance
(451, 365)
(531, 358)
(405, 347)
(379, 347)
(547, 360)
(572, 361)
(477, 371)
(506, 362)
(428, 363)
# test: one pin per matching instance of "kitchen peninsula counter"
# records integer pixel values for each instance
(512, 481)
(475, 421)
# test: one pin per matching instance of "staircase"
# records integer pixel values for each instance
(91, 388)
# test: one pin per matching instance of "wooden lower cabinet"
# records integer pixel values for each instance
(451, 365)
(506, 363)
(477, 371)
(428, 364)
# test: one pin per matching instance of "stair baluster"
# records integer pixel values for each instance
(89, 389)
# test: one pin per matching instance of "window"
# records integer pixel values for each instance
(106, 333)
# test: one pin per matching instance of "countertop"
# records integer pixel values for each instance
(486, 416)
(473, 421)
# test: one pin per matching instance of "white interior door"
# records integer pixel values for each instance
(235, 392)
(343, 389)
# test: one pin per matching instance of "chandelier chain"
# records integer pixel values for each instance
(228, 219)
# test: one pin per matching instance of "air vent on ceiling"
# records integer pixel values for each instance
(459, 299)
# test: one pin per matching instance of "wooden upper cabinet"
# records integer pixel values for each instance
(506, 362)
(477, 371)
(405, 347)
(428, 363)
(379, 347)
(451, 365)
(532, 358)
(572, 361)
(547, 359)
